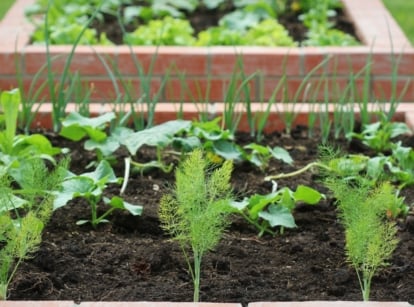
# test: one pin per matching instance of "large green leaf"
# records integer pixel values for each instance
(75, 126)
(307, 195)
(227, 149)
(278, 215)
(119, 203)
(281, 154)
(74, 187)
(9, 202)
(85, 185)
(102, 174)
(159, 136)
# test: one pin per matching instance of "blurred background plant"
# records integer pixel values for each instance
(165, 22)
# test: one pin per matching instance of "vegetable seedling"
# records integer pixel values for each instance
(196, 212)
(378, 135)
(13, 146)
(91, 186)
(276, 208)
(370, 238)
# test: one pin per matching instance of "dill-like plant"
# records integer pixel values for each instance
(196, 212)
(26, 203)
(370, 237)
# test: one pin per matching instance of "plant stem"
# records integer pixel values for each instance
(197, 269)
(298, 172)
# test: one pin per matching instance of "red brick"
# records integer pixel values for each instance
(393, 63)
(105, 90)
(270, 61)
(85, 61)
(385, 89)
(314, 60)
(8, 84)
(189, 61)
(8, 62)
(194, 90)
(354, 61)
(329, 304)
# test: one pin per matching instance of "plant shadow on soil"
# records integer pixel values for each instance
(131, 259)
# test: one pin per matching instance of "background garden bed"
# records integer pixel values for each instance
(207, 71)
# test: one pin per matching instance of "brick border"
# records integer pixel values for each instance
(384, 44)
(179, 304)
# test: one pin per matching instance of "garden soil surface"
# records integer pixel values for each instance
(132, 259)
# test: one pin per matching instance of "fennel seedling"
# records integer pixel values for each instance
(195, 212)
(370, 238)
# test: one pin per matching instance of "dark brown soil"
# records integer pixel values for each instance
(131, 259)
(202, 19)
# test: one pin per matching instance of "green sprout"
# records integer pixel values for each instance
(370, 238)
(195, 212)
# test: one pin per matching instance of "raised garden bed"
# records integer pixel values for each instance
(131, 259)
(227, 275)
(207, 71)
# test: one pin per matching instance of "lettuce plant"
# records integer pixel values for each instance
(168, 31)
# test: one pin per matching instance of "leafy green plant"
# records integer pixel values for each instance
(269, 32)
(160, 137)
(265, 33)
(370, 238)
(25, 206)
(196, 212)
(20, 239)
(163, 22)
(15, 146)
(76, 127)
(168, 31)
(91, 186)
(362, 169)
(378, 136)
(320, 33)
(276, 208)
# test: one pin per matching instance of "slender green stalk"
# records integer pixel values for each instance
(232, 116)
(264, 116)
(290, 113)
(299, 171)
(60, 94)
(197, 272)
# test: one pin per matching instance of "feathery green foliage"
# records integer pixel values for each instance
(32, 192)
(195, 212)
(370, 238)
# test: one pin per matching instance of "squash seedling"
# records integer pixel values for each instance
(76, 127)
(196, 212)
(370, 238)
(91, 186)
(17, 147)
(160, 137)
(275, 209)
